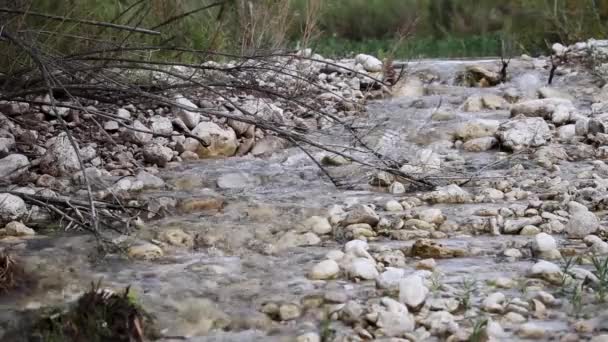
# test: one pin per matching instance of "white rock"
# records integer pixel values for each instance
(145, 251)
(370, 63)
(558, 49)
(431, 215)
(60, 158)
(477, 129)
(139, 136)
(189, 118)
(582, 222)
(222, 141)
(111, 126)
(547, 270)
(157, 154)
(597, 245)
(123, 113)
(480, 144)
(545, 108)
(390, 278)
(441, 323)
(494, 302)
(317, 224)
(544, 242)
(448, 194)
(519, 133)
(531, 331)
(363, 268)
(393, 205)
(326, 269)
(162, 125)
(395, 320)
(412, 291)
(12, 165)
(361, 214)
(238, 180)
(396, 188)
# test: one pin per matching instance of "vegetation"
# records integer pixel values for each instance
(440, 28)
(98, 315)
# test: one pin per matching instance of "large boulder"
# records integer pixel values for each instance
(12, 165)
(189, 118)
(222, 141)
(557, 110)
(60, 158)
(157, 154)
(11, 208)
(476, 129)
(520, 133)
(369, 63)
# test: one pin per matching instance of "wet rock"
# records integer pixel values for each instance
(480, 144)
(292, 239)
(394, 319)
(139, 135)
(426, 264)
(157, 154)
(362, 268)
(410, 87)
(480, 128)
(208, 203)
(545, 246)
(351, 312)
(431, 215)
(547, 271)
(393, 206)
(582, 222)
(519, 133)
(11, 207)
(197, 316)
(267, 145)
(326, 269)
(425, 248)
(555, 109)
(15, 228)
(238, 180)
(318, 225)
(448, 194)
(361, 214)
(494, 302)
(390, 278)
(60, 158)
(414, 224)
(13, 165)
(369, 63)
(531, 331)
(149, 180)
(145, 251)
(476, 103)
(514, 318)
(478, 76)
(596, 244)
(289, 311)
(441, 323)
(514, 226)
(189, 118)
(176, 237)
(412, 291)
(221, 141)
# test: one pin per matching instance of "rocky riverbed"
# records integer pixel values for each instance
(508, 245)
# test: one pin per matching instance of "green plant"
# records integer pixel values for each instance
(576, 298)
(468, 288)
(601, 272)
(479, 333)
(435, 278)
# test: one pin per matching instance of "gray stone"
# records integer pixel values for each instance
(582, 222)
(362, 268)
(12, 165)
(361, 214)
(157, 154)
(369, 63)
(189, 118)
(326, 269)
(519, 133)
(60, 158)
(394, 319)
(161, 125)
(221, 141)
(412, 291)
